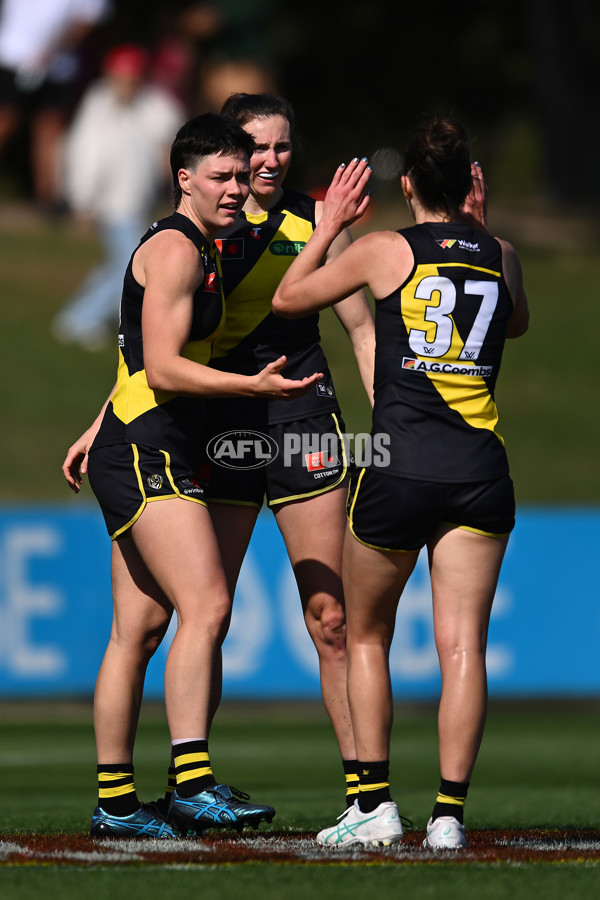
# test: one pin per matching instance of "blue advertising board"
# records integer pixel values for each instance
(55, 612)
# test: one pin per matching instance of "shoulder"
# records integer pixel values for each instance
(172, 254)
(390, 243)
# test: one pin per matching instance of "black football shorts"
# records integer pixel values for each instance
(387, 512)
(124, 477)
(284, 461)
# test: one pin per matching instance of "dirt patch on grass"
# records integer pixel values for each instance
(514, 846)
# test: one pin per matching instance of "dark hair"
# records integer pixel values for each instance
(243, 107)
(202, 136)
(438, 161)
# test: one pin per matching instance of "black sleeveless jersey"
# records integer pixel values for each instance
(161, 419)
(256, 253)
(440, 338)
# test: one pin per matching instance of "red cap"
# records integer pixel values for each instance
(126, 59)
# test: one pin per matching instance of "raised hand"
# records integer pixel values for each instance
(474, 211)
(347, 198)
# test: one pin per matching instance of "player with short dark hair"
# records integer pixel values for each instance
(447, 295)
(305, 488)
(142, 467)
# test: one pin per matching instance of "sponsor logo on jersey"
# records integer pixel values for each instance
(242, 450)
(315, 462)
(446, 368)
(210, 282)
(286, 248)
(255, 232)
(446, 243)
(325, 390)
(121, 340)
(230, 248)
(155, 482)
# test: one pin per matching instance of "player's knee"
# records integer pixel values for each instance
(327, 624)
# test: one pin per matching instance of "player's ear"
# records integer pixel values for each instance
(183, 176)
(406, 186)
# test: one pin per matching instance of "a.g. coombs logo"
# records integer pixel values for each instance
(446, 368)
(242, 450)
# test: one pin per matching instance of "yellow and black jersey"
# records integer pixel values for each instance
(256, 253)
(440, 338)
(137, 414)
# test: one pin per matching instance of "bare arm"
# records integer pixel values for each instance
(513, 275)
(344, 203)
(170, 269)
(355, 316)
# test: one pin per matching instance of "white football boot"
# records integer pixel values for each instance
(445, 833)
(381, 827)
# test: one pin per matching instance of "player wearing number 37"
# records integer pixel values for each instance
(447, 295)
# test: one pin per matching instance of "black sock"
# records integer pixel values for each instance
(116, 790)
(352, 780)
(171, 784)
(192, 768)
(450, 800)
(374, 784)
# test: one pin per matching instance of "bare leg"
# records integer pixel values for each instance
(141, 615)
(175, 538)
(233, 526)
(313, 531)
(373, 583)
(464, 573)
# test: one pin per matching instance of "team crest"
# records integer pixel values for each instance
(155, 482)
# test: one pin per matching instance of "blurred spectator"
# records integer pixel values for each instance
(116, 162)
(39, 71)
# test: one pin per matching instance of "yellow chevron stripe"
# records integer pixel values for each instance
(193, 773)
(455, 801)
(104, 793)
(186, 758)
(373, 787)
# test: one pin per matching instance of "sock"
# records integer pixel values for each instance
(116, 790)
(351, 773)
(451, 799)
(192, 767)
(374, 784)
(171, 783)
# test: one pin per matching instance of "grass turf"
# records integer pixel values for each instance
(537, 768)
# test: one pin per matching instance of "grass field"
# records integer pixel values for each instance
(537, 769)
(546, 389)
